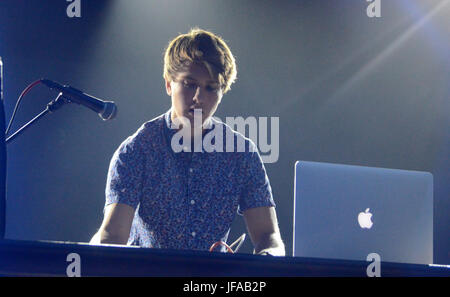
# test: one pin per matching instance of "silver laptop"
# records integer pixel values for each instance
(348, 212)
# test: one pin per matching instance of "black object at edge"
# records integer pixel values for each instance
(2, 164)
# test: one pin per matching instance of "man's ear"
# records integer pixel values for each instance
(168, 87)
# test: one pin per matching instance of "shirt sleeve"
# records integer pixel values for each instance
(125, 174)
(257, 191)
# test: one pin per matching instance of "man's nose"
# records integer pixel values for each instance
(199, 94)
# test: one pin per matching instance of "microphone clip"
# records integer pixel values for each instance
(57, 103)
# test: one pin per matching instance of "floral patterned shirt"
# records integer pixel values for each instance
(184, 200)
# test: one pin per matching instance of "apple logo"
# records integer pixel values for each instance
(365, 219)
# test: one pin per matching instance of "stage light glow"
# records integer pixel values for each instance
(389, 50)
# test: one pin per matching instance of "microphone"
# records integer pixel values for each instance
(107, 110)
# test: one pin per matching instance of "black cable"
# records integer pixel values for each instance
(24, 92)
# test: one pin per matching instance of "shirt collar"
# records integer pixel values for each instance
(168, 120)
(169, 132)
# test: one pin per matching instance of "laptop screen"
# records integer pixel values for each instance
(348, 212)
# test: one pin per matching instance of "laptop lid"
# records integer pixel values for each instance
(348, 212)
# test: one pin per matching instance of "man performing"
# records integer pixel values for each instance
(162, 197)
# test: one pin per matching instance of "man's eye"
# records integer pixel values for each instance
(212, 88)
(187, 84)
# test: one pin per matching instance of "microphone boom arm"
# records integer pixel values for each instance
(52, 106)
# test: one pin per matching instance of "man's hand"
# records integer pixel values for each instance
(263, 228)
(268, 252)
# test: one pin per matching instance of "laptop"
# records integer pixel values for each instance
(348, 212)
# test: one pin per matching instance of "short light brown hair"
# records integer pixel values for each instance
(200, 46)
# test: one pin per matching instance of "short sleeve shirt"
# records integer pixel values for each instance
(185, 200)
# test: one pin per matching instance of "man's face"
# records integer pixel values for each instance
(191, 89)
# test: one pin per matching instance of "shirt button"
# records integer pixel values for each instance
(192, 202)
(191, 170)
(193, 234)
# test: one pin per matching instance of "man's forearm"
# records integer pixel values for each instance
(270, 244)
(104, 237)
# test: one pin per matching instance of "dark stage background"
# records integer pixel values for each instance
(347, 89)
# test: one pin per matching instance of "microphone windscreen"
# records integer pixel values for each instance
(109, 111)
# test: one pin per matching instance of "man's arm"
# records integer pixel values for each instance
(262, 225)
(116, 225)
